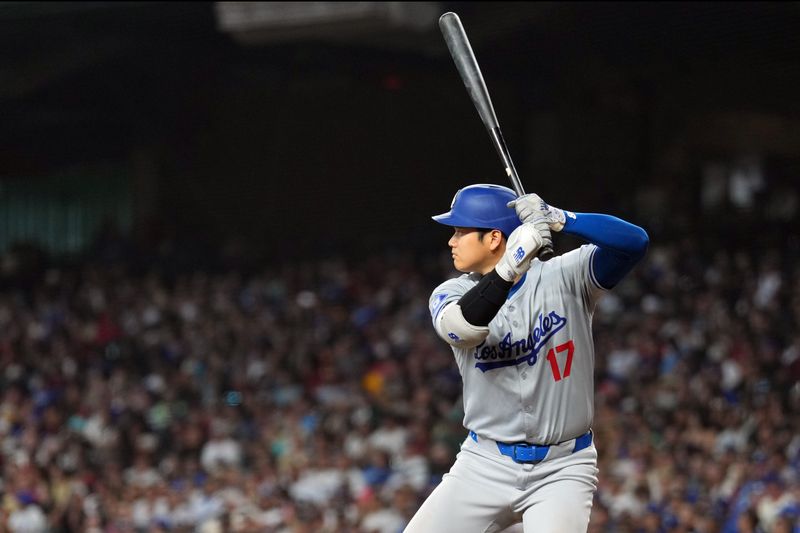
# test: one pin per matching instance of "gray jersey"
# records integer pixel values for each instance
(532, 379)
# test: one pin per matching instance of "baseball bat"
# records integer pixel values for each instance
(467, 65)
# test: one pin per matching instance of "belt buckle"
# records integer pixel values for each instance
(530, 448)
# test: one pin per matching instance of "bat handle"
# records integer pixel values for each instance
(546, 251)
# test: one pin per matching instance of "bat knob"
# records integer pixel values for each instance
(545, 252)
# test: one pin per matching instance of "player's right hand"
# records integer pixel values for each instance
(532, 208)
(521, 247)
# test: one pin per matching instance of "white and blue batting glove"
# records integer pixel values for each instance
(521, 247)
(532, 209)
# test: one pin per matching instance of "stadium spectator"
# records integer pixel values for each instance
(316, 398)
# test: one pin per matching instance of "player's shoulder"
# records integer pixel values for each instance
(462, 282)
(451, 290)
(576, 262)
(579, 255)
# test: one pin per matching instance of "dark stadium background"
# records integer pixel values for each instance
(351, 137)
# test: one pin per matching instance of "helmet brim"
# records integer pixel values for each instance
(452, 219)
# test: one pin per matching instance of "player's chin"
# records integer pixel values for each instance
(459, 265)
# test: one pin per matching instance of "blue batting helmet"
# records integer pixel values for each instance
(482, 206)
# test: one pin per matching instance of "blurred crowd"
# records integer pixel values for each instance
(315, 397)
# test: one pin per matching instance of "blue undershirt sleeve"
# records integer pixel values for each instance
(620, 244)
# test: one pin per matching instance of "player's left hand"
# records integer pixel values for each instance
(521, 247)
(531, 208)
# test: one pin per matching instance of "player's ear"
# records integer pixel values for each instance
(496, 239)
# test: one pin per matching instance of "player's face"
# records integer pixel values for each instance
(472, 253)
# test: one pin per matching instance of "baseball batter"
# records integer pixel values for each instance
(521, 332)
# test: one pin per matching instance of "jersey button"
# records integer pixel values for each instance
(528, 408)
(510, 307)
(524, 375)
(516, 324)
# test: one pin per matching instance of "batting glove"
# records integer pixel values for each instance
(531, 208)
(521, 248)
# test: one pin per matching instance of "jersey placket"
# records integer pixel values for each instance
(513, 317)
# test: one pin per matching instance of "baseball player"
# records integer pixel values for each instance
(521, 332)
